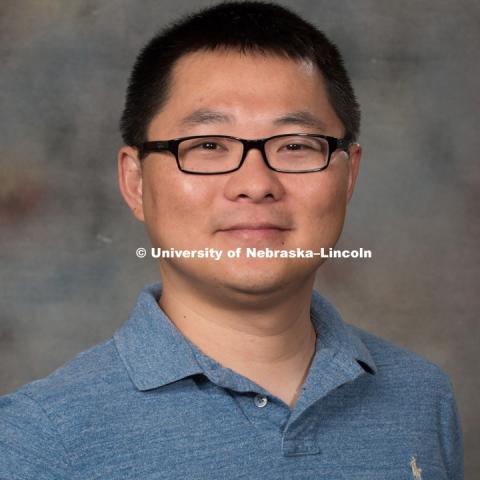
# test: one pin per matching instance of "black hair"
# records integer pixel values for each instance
(249, 26)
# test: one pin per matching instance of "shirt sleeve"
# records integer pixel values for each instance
(30, 447)
(451, 432)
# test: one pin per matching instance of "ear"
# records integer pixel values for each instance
(130, 180)
(355, 153)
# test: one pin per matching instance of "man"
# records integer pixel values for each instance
(240, 131)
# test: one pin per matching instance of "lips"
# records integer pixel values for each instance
(253, 232)
(254, 226)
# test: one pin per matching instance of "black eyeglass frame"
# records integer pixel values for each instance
(158, 146)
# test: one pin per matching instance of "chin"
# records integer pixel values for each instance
(262, 279)
(257, 287)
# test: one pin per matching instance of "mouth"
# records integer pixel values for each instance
(254, 231)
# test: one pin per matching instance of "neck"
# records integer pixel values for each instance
(269, 339)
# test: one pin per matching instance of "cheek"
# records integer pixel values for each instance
(323, 207)
(174, 206)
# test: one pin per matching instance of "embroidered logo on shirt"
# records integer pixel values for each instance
(417, 472)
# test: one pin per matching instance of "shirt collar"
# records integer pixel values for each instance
(156, 353)
(333, 332)
(153, 350)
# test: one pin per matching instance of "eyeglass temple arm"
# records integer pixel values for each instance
(344, 143)
(149, 147)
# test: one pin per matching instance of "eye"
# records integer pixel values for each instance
(207, 146)
(296, 146)
(293, 147)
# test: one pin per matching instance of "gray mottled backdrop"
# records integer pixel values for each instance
(69, 273)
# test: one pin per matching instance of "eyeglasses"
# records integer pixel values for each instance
(214, 154)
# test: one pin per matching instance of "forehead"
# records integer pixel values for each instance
(215, 68)
(247, 87)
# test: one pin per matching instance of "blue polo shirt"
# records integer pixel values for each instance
(148, 404)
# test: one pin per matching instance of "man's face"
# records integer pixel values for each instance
(253, 206)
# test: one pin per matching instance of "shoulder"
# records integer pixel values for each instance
(403, 369)
(421, 394)
(97, 366)
(29, 442)
(33, 418)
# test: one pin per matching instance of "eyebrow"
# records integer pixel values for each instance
(203, 116)
(301, 118)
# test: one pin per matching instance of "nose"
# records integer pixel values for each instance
(254, 181)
